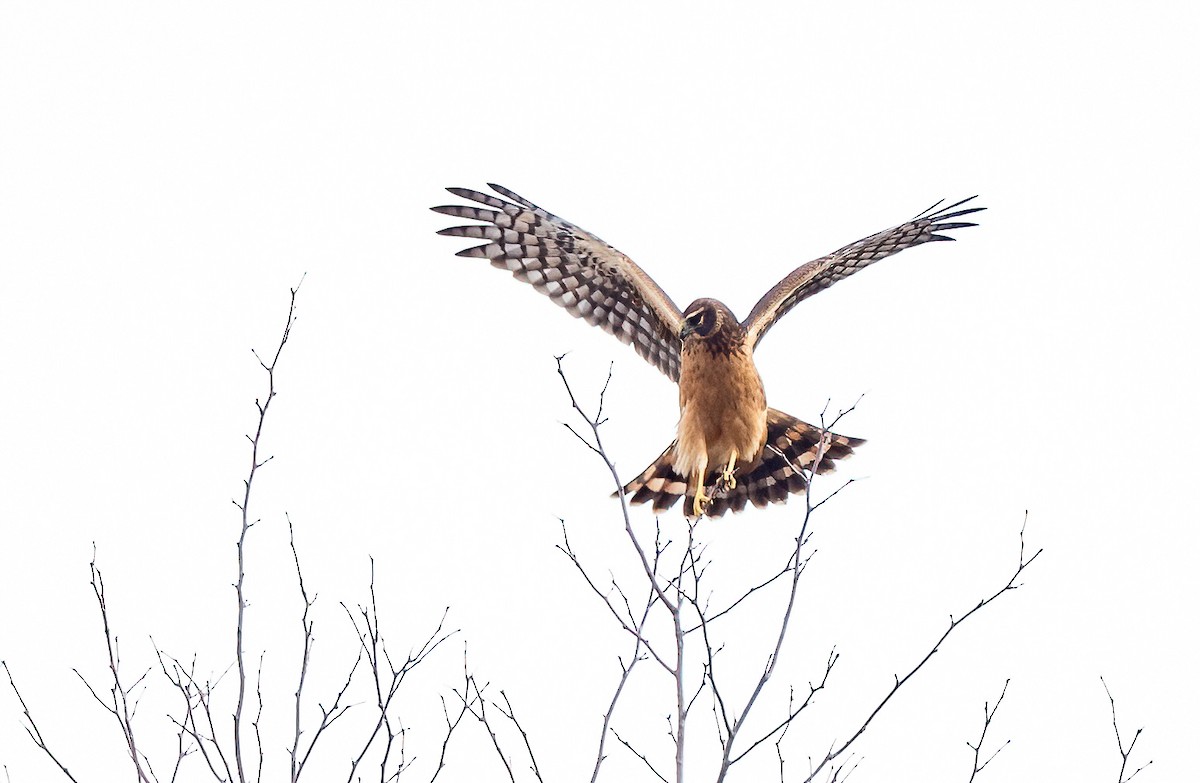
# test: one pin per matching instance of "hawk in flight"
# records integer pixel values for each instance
(730, 447)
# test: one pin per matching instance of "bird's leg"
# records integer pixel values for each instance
(728, 481)
(701, 501)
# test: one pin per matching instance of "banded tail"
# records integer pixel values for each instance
(780, 471)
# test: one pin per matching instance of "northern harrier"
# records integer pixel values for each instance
(727, 439)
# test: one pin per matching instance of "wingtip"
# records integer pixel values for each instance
(939, 212)
(930, 209)
(964, 201)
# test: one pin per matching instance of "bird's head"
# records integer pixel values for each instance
(705, 318)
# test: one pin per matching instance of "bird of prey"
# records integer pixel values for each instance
(730, 447)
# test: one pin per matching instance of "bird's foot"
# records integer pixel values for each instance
(700, 502)
(727, 480)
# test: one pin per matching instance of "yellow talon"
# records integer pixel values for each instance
(701, 500)
(728, 481)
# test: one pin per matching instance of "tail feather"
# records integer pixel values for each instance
(792, 452)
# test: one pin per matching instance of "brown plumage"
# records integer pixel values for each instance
(730, 447)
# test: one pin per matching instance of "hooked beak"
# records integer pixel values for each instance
(688, 328)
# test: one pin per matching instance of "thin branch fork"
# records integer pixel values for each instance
(474, 702)
(631, 624)
(1125, 752)
(118, 703)
(197, 698)
(329, 715)
(386, 684)
(453, 724)
(988, 716)
(626, 670)
(627, 624)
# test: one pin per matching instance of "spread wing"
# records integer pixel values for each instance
(576, 269)
(818, 275)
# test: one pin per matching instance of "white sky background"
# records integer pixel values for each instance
(166, 173)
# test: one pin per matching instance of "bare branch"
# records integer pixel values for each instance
(594, 424)
(258, 717)
(197, 698)
(31, 727)
(709, 618)
(629, 627)
(1011, 584)
(794, 711)
(508, 712)
(118, 704)
(988, 716)
(673, 606)
(796, 566)
(641, 756)
(1124, 751)
(386, 684)
(247, 523)
(306, 627)
(626, 669)
(480, 713)
(452, 724)
(299, 758)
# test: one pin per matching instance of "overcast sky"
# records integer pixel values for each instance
(168, 172)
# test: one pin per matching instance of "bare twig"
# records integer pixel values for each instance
(988, 716)
(244, 508)
(258, 717)
(31, 727)
(197, 721)
(641, 756)
(508, 712)
(673, 606)
(626, 670)
(796, 565)
(299, 757)
(120, 695)
(626, 622)
(306, 626)
(1124, 751)
(473, 698)
(793, 709)
(709, 618)
(453, 723)
(1011, 584)
(386, 684)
